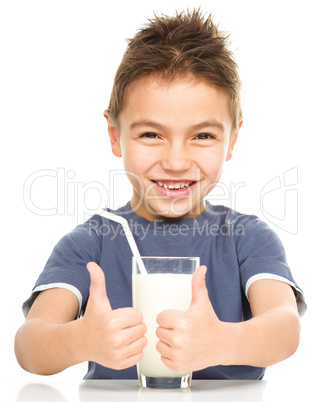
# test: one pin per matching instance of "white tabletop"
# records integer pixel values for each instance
(46, 389)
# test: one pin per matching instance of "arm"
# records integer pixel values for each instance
(51, 340)
(44, 344)
(273, 334)
(197, 339)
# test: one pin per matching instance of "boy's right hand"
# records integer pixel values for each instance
(113, 338)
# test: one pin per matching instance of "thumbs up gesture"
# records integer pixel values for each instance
(194, 339)
(113, 338)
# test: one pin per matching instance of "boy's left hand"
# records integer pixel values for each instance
(193, 339)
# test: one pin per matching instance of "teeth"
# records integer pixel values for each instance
(174, 186)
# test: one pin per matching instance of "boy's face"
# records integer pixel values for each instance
(174, 138)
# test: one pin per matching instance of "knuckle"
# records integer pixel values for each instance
(177, 341)
(115, 343)
(139, 356)
(176, 355)
(138, 315)
(175, 367)
(183, 324)
(118, 357)
(179, 367)
(142, 329)
(135, 359)
(159, 347)
(144, 342)
(113, 323)
(140, 344)
(159, 318)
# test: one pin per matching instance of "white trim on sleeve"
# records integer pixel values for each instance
(302, 307)
(40, 288)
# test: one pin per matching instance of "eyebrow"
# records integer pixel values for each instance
(158, 126)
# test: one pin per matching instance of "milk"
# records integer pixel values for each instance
(152, 294)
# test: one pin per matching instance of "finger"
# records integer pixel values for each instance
(97, 290)
(164, 350)
(164, 335)
(136, 347)
(170, 363)
(132, 360)
(169, 318)
(126, 317)
(133, 334)
(199, 290)
(133, 353)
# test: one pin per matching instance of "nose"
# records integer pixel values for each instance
(176, 158)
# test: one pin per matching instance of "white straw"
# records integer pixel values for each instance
(129, 235)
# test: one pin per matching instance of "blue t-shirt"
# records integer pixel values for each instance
(237, 250)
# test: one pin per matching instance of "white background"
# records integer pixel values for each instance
(58, 60)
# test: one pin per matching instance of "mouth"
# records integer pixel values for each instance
(174, 188)
(174, 185)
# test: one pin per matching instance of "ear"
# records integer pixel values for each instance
(113, 135)
(232, 143)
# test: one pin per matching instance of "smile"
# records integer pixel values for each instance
(174, 185)
(174, 188)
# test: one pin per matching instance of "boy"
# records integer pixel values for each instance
(174, 117)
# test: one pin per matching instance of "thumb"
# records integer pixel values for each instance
(97, 290)
(199, 291)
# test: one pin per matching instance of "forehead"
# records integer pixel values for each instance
(181, 100)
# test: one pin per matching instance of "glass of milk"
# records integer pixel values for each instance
(161, 283)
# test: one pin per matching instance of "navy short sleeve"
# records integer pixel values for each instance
(66, 266)
(261, 255)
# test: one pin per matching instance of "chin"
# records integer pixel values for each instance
(172, 214)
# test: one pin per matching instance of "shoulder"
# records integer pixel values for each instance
(230, 217)
(103, 224)
(228, 214)
(243, 228)
(98, 223)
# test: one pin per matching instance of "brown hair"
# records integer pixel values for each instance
(172, 46)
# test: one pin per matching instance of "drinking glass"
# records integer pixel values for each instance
(158, 284)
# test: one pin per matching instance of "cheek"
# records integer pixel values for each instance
(137, 164)
(139, 160)
(212, 164)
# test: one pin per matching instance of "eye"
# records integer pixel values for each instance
(149, 135)
(205, 136)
